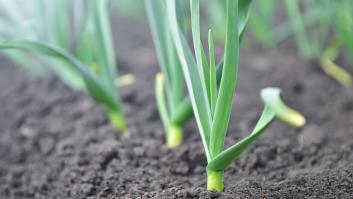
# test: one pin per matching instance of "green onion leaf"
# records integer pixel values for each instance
(228, 81)
(105, 50)
(213, 74)
(194, 82)
(272, 98)
(94, 86)
(274, 107)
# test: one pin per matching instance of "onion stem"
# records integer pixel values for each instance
(215, 180)
(174, 136)
(118, 120)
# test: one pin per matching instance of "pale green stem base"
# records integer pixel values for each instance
(118, 121)
(215, 180)
(174, 137)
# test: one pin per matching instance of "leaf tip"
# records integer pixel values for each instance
(295, 118)
(272, 98)
(159, 77)
(210, 32)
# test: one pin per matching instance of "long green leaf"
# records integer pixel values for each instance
(159, 31)
(196, 86)
(228, 81)
(213, 73)
(104, 42)
(98, 90)
(198, 47)
(170, 66)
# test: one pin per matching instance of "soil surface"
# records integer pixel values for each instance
(56, 143)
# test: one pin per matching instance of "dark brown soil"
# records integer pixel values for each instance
(56, 143)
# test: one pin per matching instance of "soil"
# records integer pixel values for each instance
(56, 143)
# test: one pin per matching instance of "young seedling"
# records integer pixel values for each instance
(95, 66)
(212, 102)
(314, 47)
(173, 107)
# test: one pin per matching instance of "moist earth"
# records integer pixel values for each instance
(57, 143)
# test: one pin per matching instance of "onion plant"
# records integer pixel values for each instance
(93, 63)
(42, 21)
(311, 42)
(212, 101)
(174, 108)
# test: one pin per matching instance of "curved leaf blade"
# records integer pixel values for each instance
(274, 107)
(93, 85)
(226, 157)
(272, 97)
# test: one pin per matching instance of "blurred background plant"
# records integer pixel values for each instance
(322, 29)
(40, 21)
(74, 41)
(173, 106)
(322, 41)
